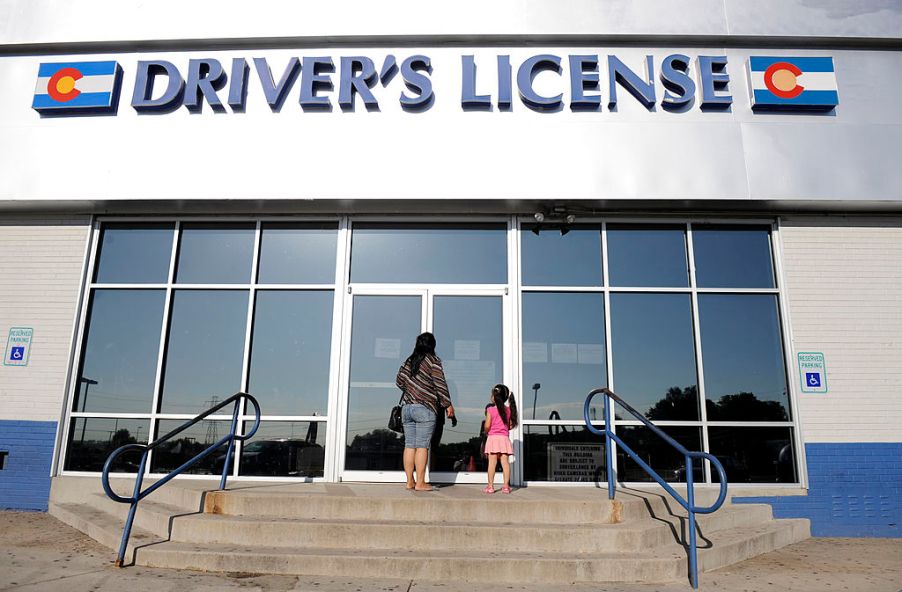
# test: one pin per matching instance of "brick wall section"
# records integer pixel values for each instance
(41, 266)
(855, 491)
(25, 481)
(844, 284)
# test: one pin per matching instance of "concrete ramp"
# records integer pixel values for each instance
(536, 534)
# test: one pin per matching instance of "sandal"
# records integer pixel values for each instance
(488, 489)
(505, 489)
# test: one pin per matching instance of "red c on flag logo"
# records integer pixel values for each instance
(781, 79)
(61, 86)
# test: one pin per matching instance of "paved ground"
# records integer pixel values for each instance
(37, 553)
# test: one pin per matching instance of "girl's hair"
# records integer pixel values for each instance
(501, 395)
(425, 345)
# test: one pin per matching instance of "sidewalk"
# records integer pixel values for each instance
(39, 553)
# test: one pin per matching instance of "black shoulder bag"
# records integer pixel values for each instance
(394, 419)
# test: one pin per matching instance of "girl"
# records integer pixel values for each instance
(500, 419)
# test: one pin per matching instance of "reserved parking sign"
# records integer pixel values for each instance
(18, 346)
(813, 372)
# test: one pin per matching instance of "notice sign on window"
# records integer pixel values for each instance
(574, 462)
(18, 346)
(813, 372)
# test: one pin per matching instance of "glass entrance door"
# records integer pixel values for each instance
(469, 329)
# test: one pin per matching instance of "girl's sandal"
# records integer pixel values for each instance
(489, 489)
(505, 489)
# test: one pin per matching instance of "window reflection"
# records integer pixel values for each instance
(297, 253)
(563, 353)
(134, 253)
(563, 454)
(429, 253)
(290, 351)
(469, 337)
(553, 259)
(215, 254)
(647, 256)
(119, 363)
(745, 377)
(658, 453)
(754, 455)
(205, 349)
(187, 444)
(384, 329)
(93, 439)
(284, 449)
(653, 351)
(732, 257)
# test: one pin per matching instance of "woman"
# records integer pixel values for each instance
(425, 396)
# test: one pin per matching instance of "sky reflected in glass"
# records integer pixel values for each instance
(654, 354)
(647, 256)
(215, 254)
(732, 257)
(429, 253)
(552, 259)
(563, 353)
(290, 351)
(205, 349)
(134, 254)
(297, 253)
(121, 348)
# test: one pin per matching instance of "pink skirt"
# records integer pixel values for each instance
(498, 445)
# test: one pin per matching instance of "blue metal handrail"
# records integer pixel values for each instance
(138, 495)
(689, 503)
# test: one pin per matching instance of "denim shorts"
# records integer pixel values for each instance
(419, 423)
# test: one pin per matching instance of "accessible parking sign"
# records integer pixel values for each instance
(18, 346)
(813, 372)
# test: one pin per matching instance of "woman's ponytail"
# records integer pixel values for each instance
(514, 418)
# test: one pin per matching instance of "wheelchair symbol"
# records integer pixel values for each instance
(17, 353)
(813, 378)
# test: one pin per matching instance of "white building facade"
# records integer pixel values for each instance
(698, 206)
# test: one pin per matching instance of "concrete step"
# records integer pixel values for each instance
(182, 494)
(103, 527)
(735, 545)
(152, 516)
(206, 529)
(497, 568)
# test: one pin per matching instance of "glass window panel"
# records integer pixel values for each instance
(553, 259)
(563, 354)
(215, 254)
(290, 351)
(429, 253)
(647, 256)
(754, 455)
(383, 333)
(93, 439)
(658, 454)
(187, 444)
(563, 454)
(134, 253)
(285, 449)
(745, 377)
(121, 348)
(654, 355)
(205, 349)
(732, 257)
(469, 335)
(298, 253)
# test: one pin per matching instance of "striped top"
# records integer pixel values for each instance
(428, 387)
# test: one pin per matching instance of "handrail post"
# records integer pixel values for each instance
(228, 456)
(609, 453)
(136, 497)
(690, 524)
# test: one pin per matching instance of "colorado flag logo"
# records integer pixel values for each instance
(77, 86)
(793, 83)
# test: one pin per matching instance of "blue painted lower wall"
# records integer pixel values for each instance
(25, 480)
(855, 490)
